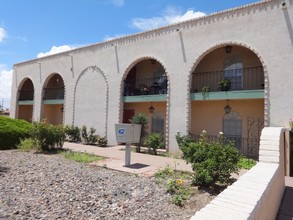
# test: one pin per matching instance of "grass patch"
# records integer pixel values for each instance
(246, 163)
(27, 145)
(81, 157)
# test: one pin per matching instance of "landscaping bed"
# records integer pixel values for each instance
(48, 186)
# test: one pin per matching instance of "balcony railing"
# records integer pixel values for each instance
(26, 95)
(241, 79)
(146, 86)
(246, 146)
(53, 93)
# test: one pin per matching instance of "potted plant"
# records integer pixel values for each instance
(224, 85)
(206, 89)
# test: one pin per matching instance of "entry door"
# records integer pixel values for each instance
(127, 115)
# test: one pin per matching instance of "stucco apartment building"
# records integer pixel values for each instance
(172, 75)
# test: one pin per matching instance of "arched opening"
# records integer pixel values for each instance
(233, 77)
(53, 100)
(26, 100)
(145, 91)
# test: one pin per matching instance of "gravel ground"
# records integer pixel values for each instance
(38, 186)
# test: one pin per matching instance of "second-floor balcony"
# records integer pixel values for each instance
(146, 86)
(53, 93)
(26, 95)
(238, 79)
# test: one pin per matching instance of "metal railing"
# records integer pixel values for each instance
(54, 93)
(246, 146)
(146, 86)
(241, 79)
(26, 95)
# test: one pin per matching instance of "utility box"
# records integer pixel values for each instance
(128, 133)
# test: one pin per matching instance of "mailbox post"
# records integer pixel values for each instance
(128, 134)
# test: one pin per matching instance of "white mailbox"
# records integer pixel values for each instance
(128, 133)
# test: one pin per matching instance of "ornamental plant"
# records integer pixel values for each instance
(72, 133)
(88, 137)
(141, 119)
(154, 141)
(47, 136)
(211, 162)
(291, 124)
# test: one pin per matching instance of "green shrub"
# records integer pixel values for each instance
(12, 131)
(102, 141)
(73, 133)
(155, 141)
(141, 119)
(48, 137)
(88, 137)
(212, 162)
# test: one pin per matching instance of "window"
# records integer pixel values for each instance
(158, 123)
(233, 70)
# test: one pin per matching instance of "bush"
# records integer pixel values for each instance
(102, 141)
(141, 119)
(48, 137)
(73, 133)
(12, 131)
(212, 162)
(155, 141)
(88, 137)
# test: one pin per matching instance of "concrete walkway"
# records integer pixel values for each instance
(286, 206)
(141, 163)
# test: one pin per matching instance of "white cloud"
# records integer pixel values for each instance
(5, 86)
(170, 15)
(55, 50)
(118, 3)
(107, 38)
(2, 34)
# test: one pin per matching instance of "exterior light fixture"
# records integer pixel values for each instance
(151, 108)
(62, 109)
(227, 108)
(228, 49)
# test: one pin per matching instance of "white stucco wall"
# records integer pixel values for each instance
(264, 28)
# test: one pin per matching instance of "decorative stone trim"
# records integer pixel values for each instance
(99, 70)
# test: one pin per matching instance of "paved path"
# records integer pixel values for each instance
(140, 163)
(286, 207)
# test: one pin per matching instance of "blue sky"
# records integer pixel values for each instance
(35, 28)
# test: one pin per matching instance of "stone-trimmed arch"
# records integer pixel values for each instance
(25, 102)
(126, 72)
(43, 96)
(101, 73)
(20, 84)
(220, 45)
